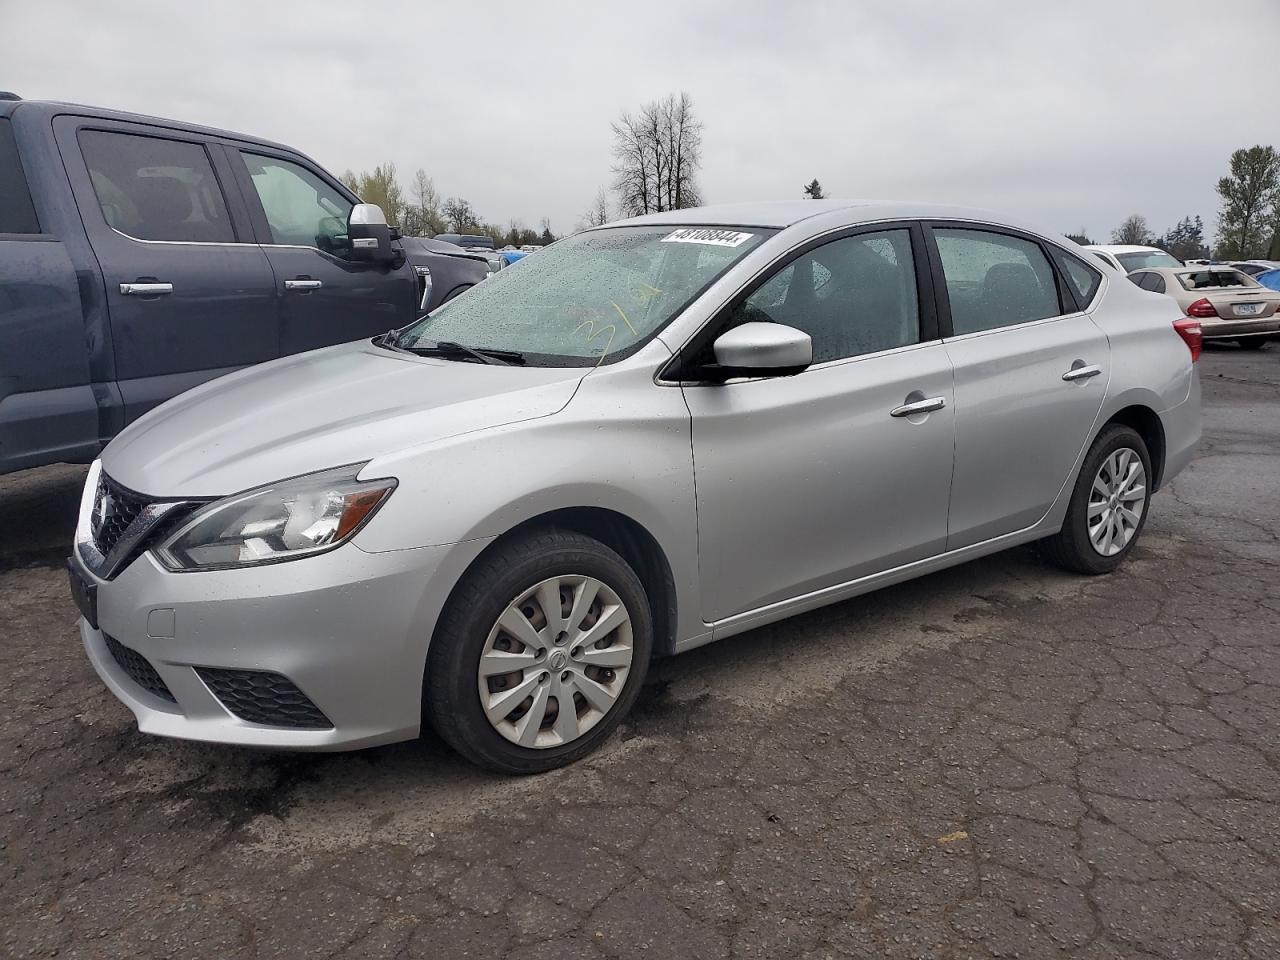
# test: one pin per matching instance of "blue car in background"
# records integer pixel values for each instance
(511, 256)
(1269, 278)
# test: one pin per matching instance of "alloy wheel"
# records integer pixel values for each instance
(1116, 501)
(555, 661)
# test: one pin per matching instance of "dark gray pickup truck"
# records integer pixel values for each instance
(140, 257)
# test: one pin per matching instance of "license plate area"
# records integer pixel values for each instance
(1247, 309)
(84, 593)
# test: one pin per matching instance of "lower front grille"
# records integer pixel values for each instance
(259, 696)
(139, 669)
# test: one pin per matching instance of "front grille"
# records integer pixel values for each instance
(114, 510)
(266, 698)
(139, 669)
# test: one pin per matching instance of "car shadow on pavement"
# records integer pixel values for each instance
(38, 515)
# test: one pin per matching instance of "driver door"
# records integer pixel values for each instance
(324, 298)
(810, 481)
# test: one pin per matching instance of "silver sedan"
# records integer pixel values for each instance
(651, 436)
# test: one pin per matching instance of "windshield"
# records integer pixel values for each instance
(589, 299)
(1146, 259)
(1211, 279)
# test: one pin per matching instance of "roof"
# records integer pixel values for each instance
(53, 108)
(784, 213)
(1122, 248)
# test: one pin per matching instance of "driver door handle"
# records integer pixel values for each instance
(1082, 372)
(303, 283)
(145, 289)
(919, 406)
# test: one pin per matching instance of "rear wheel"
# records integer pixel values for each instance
(1252, 343)
(1108, 506)
(539, 654)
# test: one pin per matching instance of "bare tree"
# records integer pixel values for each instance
(1133, 230)
(423, 215)
(460, 216)
(598, 214)
(656, 155)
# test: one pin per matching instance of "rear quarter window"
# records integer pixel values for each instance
(17, 212)
(1083, 279)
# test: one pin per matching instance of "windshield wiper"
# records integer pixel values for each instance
(449, 348)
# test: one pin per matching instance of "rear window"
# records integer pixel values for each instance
(1215, 279)
(17, 214)
(1146, 259)
(156, 189)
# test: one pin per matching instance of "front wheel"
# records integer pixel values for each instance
(1108, 506)
(539, 654)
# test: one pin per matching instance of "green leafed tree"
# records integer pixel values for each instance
(1250, 211)
(813, 189)
(379, 186)
(1081, 237)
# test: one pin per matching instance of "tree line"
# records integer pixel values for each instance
(1248, 217)
(421, 212)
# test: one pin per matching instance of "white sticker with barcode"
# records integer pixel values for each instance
(716, 238)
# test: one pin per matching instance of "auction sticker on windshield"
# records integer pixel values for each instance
(717, 238)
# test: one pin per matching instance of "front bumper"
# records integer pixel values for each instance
(1231, 329)
(349, 629)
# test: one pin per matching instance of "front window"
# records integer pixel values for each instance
(1214, 279)
(302, 210)
(1146, 259)
(589, 299)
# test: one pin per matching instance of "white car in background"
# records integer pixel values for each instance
(1129, 257)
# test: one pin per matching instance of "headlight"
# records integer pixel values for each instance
(282, 521)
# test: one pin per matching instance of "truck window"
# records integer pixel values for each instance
(302, 210)
(155, 189)
(17, 215)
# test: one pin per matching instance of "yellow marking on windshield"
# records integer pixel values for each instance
(624, 318)
(592, 333)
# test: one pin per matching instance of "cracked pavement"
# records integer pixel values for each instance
(1001, 760)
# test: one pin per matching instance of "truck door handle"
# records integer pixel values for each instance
(919, 406)
(1081, 371)
(145, 289)
(303, 283)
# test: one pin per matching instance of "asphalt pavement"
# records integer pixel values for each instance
(1001, 760)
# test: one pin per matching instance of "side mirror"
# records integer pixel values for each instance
(759, 349)
(369, 235)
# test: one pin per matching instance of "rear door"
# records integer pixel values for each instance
(300, 217)
(190, 295)
(1031, 371)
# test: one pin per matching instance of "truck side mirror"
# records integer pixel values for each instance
(369, 235)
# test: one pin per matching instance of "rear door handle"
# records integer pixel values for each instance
(303, 283)
(919, 406)
(145, 289)
(1082, 372)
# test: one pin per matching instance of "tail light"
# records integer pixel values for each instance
(1189, 331)
(1202, 308)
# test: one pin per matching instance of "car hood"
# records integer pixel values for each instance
(330, 407)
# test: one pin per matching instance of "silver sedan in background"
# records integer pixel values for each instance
(652, 435)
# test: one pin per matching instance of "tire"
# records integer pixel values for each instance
(1073, 548)
(1252, 343)
(469, 629)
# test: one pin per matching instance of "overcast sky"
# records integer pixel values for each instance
(1068, 115)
